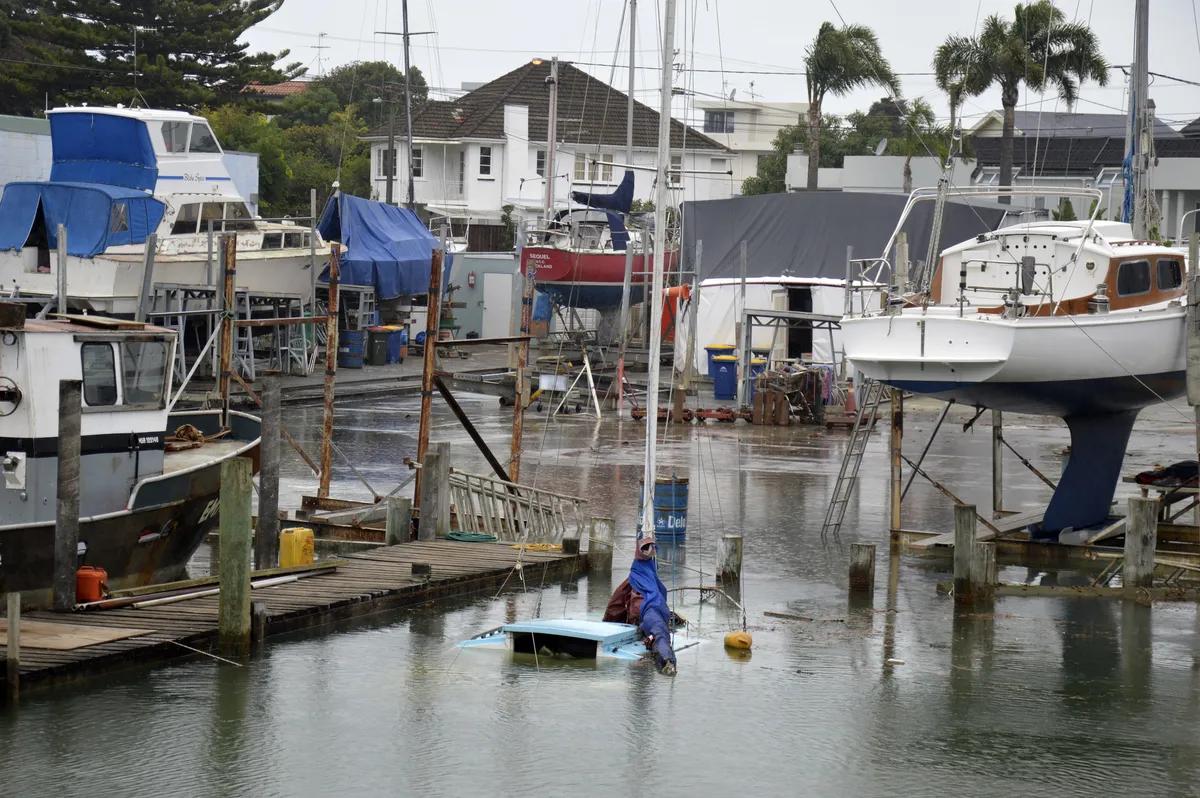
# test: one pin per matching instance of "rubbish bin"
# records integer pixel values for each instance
(757, 366)
(377, 346)
(725, 377)
(715, 350)
(350, 349)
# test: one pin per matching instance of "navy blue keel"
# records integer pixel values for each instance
(1085, 492)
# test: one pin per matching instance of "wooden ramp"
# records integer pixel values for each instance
(1008, 525)
(372, 582)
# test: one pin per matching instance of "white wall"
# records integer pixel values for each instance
(24, 156)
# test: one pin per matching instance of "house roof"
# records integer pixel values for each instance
(1191, 129)
(1072, 125)
(1076, 155)
(287, 88)
(589, 112)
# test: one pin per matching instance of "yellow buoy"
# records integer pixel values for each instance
(739, 640)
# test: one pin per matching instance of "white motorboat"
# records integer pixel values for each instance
(118, 175)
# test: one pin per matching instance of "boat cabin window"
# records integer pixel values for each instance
(185, 220)
(272, 240)
(144, 372)
(99, 375)
(1133, 277)
(175, 136)
(202, 139)
(292, 240)
(118, 219)
(1170, 274)
(214, 211)
(240, 214)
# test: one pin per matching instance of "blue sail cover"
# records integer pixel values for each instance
(386, 247)
(102, 148)
(620, 200)
(96, 216)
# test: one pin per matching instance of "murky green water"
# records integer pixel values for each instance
(1041, 697)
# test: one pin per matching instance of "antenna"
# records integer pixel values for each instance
(753, 94)
(732, 94)
(319, 46)
(881, 146)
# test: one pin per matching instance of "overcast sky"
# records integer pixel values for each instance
(723, 44)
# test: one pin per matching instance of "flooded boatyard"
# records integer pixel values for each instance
(1043, 696)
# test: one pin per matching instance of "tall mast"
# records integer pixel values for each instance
(660, 259)
(625, 286)
(1139, 143)
(407, 106)
(551, 139)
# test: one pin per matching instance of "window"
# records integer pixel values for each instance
(99, 375)
(580, 167)
(485, 161)
(240, 214)
(202, 139)
(272, 240)
(185, 220)
(1170, 274)
(1133, 277)
(418, 162)
(718, 121)
(118, 219)
(606, 169)
(387, 159)
(144, 372)
(175, 136)
(718, 164)
(214, 212)
(540, 161)
(292, 240)
(676, 173)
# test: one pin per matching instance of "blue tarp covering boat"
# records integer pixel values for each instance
(96, 216)
(102, 148)
(386, 247)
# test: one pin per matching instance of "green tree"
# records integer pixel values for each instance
(1039, 48)
(838, 61)
(1065, 212)
(918, 133)
(313, 107)
(771, 176)
(360, 82)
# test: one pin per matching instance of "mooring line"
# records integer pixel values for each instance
(206, 653)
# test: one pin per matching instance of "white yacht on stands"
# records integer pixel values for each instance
(1072, 319)
(118, 175)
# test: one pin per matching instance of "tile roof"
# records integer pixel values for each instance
(1079, 155)
(1049, 124)
(589, 112)
(287, 88)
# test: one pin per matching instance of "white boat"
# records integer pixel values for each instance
(1072, 319)
(118, 175)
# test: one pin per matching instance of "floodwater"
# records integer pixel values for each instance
(1041, 697)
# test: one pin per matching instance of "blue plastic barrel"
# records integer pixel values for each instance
(350, 349)
(715, 350)
(670, 507)
(421, 338)
(757, 366)
(724, 377)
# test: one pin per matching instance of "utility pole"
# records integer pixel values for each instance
(1142, 129)
(626, 284)
(406, 35)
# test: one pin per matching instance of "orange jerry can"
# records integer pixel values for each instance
(91, 584)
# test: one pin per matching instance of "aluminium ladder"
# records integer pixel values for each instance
(852, 459)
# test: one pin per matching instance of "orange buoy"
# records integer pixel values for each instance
(739, 640)
(90, 584)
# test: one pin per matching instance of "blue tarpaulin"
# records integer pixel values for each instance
(102, 148)
(620, 200)
(386, 247)
(96, 216)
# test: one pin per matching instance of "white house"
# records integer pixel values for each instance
(489, 148)
(748, 129)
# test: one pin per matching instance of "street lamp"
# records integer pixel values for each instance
(390, 152)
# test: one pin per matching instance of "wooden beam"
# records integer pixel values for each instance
(461, 415)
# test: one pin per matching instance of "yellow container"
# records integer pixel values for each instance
(295, 547)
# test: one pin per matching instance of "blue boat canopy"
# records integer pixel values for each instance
(386, 247)
(102, 148)
(96, 216)
(620, 200)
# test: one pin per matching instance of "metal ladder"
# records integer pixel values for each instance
(852, 459)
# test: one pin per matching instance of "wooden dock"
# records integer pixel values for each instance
(369, 582)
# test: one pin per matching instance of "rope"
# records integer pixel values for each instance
(469, 537)
(535, 546)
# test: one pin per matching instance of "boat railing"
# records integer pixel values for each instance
(514, 513)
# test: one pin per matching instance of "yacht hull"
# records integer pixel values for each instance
(587, 279)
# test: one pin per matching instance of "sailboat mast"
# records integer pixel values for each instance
(1142, 126)
(622, 330)
(551, 138)
(407, 107)
(660, 260)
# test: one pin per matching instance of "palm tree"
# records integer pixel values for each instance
(838, 61)
(1038, 47)
(919, 134)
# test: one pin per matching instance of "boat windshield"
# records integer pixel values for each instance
(144, 372)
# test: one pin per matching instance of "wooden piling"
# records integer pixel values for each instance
(12, 655)
(983, 572)
(862, 567)
(233, 613)
(266, 538)
(433, 314)
(783, 410)
(896, 451)
(60, 271)
(228, 306)
(331, 348)
(258, 622)
(518, 425)
(1141, 534)
(66, 527)
(602, 532)
(964, 552)
(729, 558)
(997, 463)
(434, 521)
(399, 520)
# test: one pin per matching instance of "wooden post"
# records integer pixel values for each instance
(1193, 339)
(433, 313)
(729, 558)
(983, 572)
(258, 622)
(331, 348)
(862, 567)
(60, 271)
(266, 538)
(66, 526)
(233, 613)
(12, 656)
(997, 463)
(228, 306)
(600, 545)
(399, 520)
(964, 552)
(896, 451)
(1141, 533)
(518, 426)
(783, 410)
(433, 496)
